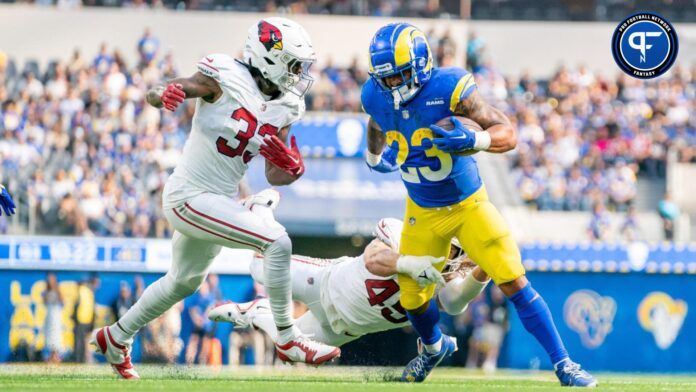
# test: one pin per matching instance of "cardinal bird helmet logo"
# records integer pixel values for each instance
(270, 36)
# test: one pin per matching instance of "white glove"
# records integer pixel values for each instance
(421, 269)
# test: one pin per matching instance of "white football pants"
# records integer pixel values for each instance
(203, 225)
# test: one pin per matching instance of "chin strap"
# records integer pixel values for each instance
(397, 99)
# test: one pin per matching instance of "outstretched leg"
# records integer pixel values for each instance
(487, 240)
(191, 259)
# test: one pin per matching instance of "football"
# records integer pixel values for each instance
(446, 123)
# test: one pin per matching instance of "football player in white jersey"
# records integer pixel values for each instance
(349, 297)
(243, 108)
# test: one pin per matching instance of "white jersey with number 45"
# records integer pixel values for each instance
(358, 302)
(226, 134)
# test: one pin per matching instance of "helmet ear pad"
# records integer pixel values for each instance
(421, 59)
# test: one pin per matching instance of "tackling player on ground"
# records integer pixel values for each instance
(404, 97)
(350, 297)
(243, 108)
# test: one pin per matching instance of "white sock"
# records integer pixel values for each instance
(287, 335)
(459, 292)
(435, 347)
(156, 299)
(278, 283)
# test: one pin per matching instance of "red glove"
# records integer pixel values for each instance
(287, 159)
(172, 96)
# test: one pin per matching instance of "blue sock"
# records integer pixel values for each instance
(537, 320)
(426, 323)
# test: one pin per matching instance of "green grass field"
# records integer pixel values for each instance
(302, 379)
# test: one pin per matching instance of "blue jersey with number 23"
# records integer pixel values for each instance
(433, 178)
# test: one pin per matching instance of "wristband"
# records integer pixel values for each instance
(372, 159)
(482, 141)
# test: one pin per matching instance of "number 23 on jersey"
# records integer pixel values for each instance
(436, 167)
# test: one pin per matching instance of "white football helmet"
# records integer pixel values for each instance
(282, 51)
(456, 245)
(388, 230)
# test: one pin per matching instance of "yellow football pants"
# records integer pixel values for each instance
(479, 227)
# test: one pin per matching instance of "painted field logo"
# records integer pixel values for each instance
(645, 45)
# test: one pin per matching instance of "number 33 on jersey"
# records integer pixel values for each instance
(226, 134)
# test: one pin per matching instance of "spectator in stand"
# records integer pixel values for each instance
(599, 130)
(576, 191)
(124, 301)
(630, 230)
(489, 319)
(148, 45)
(139, 286)
(669, 212)
(599, 226)
(214, 287)
(84, 315)
(474, 52)
(198, 347)
(53, 322)
(103, 61)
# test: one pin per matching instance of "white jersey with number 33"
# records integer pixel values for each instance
(226, 134)
(359, 302)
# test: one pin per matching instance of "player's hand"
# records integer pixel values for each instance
(6, 202)
(387, 161)
(460, 138)
(287, 159)
(172, 96)
(421, 269)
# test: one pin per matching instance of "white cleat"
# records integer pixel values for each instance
(302, 349)
(117, 354)
(268, 197)
(239, 314)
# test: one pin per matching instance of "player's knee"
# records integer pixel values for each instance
(282, 246)
(276, 264)
(513, 286)
(186, 285)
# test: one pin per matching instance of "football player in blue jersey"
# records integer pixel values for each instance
(405, 96)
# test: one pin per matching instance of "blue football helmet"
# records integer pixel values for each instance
(400, 48)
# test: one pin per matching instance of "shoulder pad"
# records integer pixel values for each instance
(215, 65)
(459, 82)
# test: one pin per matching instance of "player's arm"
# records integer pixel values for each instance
(380, 259)
(376, 139)
(377, 159)
(499, 135)
(458, 292)
(173, 92)
(283, 165)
